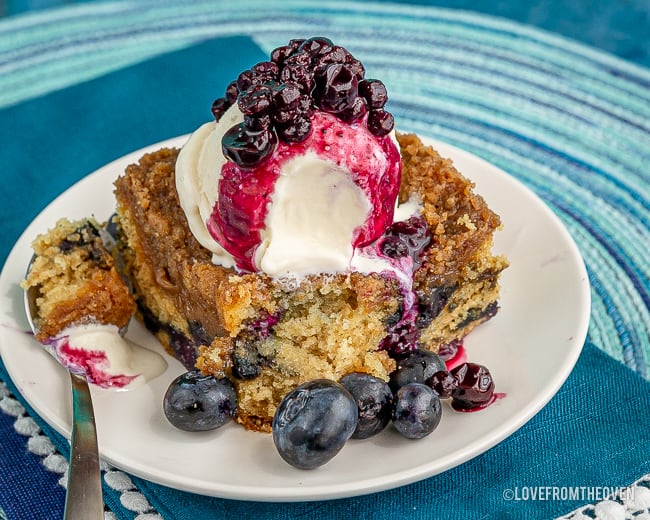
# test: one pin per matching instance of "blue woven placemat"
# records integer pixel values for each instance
(569, 121)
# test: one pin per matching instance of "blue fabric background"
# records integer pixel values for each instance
(618, 27)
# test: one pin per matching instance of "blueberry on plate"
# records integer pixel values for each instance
(198, 402)
(417, 411)
(475, 386)
(415, 367)
(374, 400)
(313, 422)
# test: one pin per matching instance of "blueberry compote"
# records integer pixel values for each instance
(278, 98)
(311, 97)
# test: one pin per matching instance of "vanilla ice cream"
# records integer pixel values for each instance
(304, 211)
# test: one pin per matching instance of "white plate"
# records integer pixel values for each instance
(530, 348)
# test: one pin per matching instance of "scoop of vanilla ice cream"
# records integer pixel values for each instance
(198, 169)
(312, 213)
(311, 219)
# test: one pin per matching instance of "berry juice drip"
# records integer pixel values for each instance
(453, 354)
(402, 245)
(495, 397)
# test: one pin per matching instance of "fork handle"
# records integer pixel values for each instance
(84, 496)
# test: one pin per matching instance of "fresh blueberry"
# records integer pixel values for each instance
(313, 422)
(417, 411)
(374, 400)
(197, 402)
(443, 383)
(415, 367)
(475, 386)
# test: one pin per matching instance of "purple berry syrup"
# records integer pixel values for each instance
(453, 354)
(495, 397)
(90, 363)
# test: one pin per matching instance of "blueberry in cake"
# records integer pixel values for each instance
(297, 237)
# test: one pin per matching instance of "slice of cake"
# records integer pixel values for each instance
(296, 237)
(76, 280)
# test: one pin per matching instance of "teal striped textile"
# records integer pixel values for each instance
(571, 122)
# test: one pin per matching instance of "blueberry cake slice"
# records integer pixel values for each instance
(268, 335)
(297, 237)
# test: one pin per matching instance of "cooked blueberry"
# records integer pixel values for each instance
(232, 91)
(245, 147)
(247, 362)
(265, 71)
(316, 46)
(255, 99)
(257, 122)
(336, 88)
(198, 332)
(415, 367)
(286, 96)
(400, 339)
(198, 402)
(476, 314)
(244, 80)
(356, 67)
(279, 54)
(380, 122)
(299, 75)
(313, 422)
(432, 303)
(296, 42)
(394, 247)
(443, 383)
(374, 400)
(396, 317)
(354, 112)
(219, 107)
(296, 131)
(336, 54)
(184, 348)
(417, 411)
(374, 91)
(406, 237)
(475, 386)
(298, 58)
